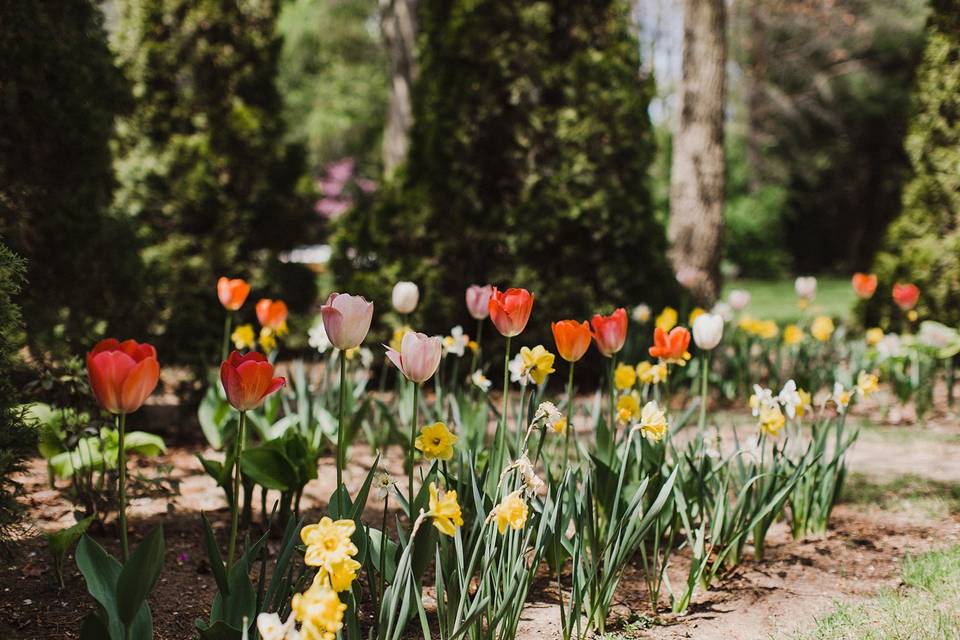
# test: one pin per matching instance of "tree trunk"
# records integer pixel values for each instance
(697, 177)
(756, 73)
(398, 23)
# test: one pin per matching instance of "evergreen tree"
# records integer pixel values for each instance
(923, 244)
(203, 166)
(59, 93)
(528, 166)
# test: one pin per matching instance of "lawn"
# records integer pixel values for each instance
(776, 299)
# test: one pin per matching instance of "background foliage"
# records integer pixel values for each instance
(59, 93)
(923, 244)
(203, 167)
(528, 167)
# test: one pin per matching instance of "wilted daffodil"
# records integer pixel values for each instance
(822, 328)
(867, 383)
(548, 413)
(667, 319)
(243, 337)
(436, 441)
(624, 377)
(653, 422)
(444, 510)
(511, 512)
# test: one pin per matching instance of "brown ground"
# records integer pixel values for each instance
(798, 580)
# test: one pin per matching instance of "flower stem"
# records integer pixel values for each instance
(122, 484)
(413, 439)
(613, 395)
(235, 504)
(566, 443)
(476, 354)
(704, 381)
(224, 351)
(340, 429)
(502, 424)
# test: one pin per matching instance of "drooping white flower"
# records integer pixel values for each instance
(790, 398)
(761, 398)
(480, 380)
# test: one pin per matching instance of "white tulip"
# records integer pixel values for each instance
(806, 287)
(406, 295)
(707, 330)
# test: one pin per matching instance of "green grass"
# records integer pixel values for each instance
(776, 299)
(910, 493)
(926, 607)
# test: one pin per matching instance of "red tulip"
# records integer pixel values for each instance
(572, 338)
(510, 310)
(906, 295)
(610, 332)
(272, 313)
(671, 346)
(122, 374)
(864, 284)
(248, 380)
(232, 292)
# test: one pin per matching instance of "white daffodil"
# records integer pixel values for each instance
(271, 628)
(840, 397)
(480, 380)
(456, 343)
(518, 371)
(318, 338)
(761, 398)
(790, 398)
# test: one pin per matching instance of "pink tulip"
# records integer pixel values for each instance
(478, 300)
(346, 319)
(419, 356)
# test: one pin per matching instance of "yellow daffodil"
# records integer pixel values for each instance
(445, 510)
(328, 542)
(697, 311)
(397, 338)
(319, 611)
(624, 377)
(767, 329)
(628, 408)
(436, 441)
(822, 328)
(792, 334)
(650, 373)
(667, 319)
(268, 339)
(511, 512)
(805, 402)
(537, 363)
(867, 383)
(771, 418)
(873, 336)
(339, 575)
(653, 422)
(243, 337)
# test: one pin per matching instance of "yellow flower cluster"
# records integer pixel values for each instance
(319, 612)
(330, 549)
(628, 408)
(771, 419)
(765, 329)
(792, 334)
(436, 441)
(445, 510)
(867, 383)
(511, 512)
(667, 319)
(243, 337)
(650, 373)
(822, 328)
(874, 336)
(624, 377)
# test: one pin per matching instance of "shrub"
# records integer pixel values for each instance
(58, 98)
(528, 167)
(923, 244)
(202, 163)
(17, 439)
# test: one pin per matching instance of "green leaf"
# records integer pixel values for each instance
(219, 630)
(143, 443)
(213, 555)
(139, 575)
(100, 570)
(269, 468)
(93, 628)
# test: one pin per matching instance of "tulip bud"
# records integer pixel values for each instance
(906, 295)
(707, 331)
(232, 292)
(572, 338)
(419, 356)
(864, 285)
(739, 299)
(248, 380)
(122, 374)
(610, 332)
(478, 301)
(346, 319)
(405, 297)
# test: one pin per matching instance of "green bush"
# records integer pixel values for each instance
(58, 98)
(528, 167)
(923, 244)
(17, 439)
(203, 166)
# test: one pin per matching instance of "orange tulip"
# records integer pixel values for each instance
(232, 292)
(572, 338)
(272, 313)
(864, 284)
(510, 310)
(671, 347)
(610, 332)
(122, 374)
(248, 380)
(906, 295)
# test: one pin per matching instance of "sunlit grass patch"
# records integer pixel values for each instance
(776, 299)
(926, 607)
(908, 492)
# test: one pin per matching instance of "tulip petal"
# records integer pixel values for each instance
(139, 384)
(107, 371)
